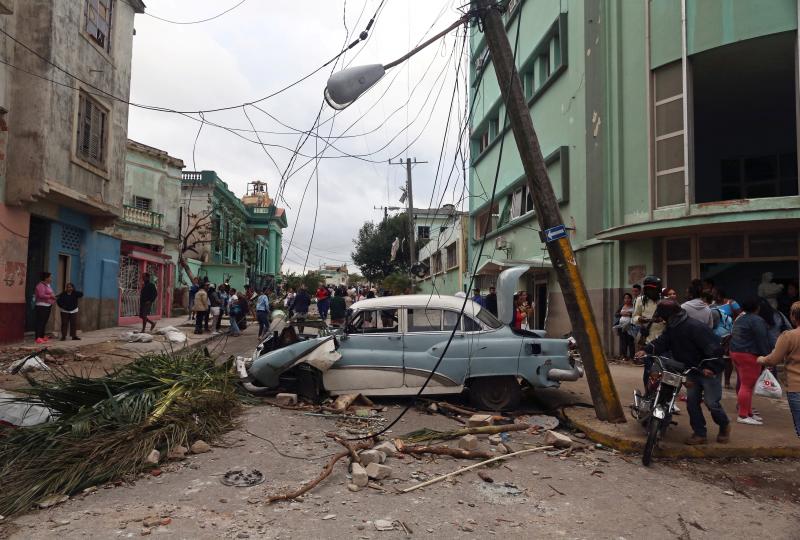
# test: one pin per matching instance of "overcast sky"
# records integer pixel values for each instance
(264, 45)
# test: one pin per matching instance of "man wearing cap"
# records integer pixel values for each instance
(690, 342)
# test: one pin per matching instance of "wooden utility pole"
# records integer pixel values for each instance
(554, 234)
(412, 241)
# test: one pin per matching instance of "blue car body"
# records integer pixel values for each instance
(391, 344)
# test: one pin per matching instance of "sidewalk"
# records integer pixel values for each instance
(776, 438)
(101, 350)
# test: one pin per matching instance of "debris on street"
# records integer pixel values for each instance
(28, 364)
(119, 420)
(425, 434)
(475, 466)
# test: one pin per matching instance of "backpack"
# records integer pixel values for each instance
(724, 325)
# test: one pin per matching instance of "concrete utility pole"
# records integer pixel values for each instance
(412, 241)
(554, 234)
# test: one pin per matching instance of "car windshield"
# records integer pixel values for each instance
(486, 317)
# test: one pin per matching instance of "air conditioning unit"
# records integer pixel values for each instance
(501, 243)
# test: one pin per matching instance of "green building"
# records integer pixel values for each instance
(670, 132)
(227, 239)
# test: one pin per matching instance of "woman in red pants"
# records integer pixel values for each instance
(749, 340)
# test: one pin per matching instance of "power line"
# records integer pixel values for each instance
(217, 16)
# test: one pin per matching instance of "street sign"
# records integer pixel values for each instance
(554, 233)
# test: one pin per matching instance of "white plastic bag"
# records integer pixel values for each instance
(768, 386)
(176, 337)
(26, 365)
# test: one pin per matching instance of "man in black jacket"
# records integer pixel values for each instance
(491, 301)
(690, 342)
(147, 296)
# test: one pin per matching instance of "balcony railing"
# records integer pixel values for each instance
(144, 218)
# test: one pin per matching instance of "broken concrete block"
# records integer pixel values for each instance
(178, 452)
(371, 456)
(559, 440)
(387, 447)
(468, 442)
(153, 457)
(378, 472)
(495, 439)
(286, 399)
(200, 447)
(360, 476)
(478, 420)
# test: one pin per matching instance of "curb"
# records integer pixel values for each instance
(593, 430)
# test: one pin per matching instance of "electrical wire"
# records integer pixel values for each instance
(217, 16)
(472, 277)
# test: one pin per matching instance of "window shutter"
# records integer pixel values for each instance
(95, 133)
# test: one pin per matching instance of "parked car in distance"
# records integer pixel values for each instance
(390, 345)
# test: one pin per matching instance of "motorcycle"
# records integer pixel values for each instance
(655, 408)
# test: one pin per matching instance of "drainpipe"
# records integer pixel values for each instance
(685, 90)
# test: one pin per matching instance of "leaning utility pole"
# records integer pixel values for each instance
(409, 196)
(554, 234)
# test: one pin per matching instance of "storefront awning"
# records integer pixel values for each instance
(495, 266)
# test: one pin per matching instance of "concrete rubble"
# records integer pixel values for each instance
(378, 472)
(468, 442)
(200, 447)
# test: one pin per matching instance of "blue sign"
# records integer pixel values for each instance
(554, 233)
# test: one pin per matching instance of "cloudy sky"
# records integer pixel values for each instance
(265, 45)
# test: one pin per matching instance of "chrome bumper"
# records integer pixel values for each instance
(567, 374)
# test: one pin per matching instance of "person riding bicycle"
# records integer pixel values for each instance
(690, 342)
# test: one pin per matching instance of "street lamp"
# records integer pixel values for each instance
(345, 86)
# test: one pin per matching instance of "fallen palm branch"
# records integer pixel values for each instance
(106, 427)
(350, 450)
(426, 434)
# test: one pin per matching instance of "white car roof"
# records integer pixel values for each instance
(426, 301)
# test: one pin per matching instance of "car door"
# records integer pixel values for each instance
(372, 355)
(425, 337)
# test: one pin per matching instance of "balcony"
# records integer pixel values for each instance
(143, 218)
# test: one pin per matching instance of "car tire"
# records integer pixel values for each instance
(495, 393)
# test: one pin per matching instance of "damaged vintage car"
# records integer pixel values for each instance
(390, 345)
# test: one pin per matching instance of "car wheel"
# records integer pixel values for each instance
(495, 393)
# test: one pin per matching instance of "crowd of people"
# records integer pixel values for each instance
(210, 304)
(718, 335)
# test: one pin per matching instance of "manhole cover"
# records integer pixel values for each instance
(242, 478)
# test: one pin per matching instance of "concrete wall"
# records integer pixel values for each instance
(42, 154)
(234, 274)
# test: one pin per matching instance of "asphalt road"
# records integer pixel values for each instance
(594, 493)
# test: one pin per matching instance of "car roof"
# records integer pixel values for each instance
(429, 301)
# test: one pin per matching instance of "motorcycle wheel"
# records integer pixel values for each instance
(653, 432)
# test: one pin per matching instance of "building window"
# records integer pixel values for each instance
(494, 128)
(547, 60)
(97, 14)
(142, 203)
(669, 132)
(423, 232)
(436, 263)
(518, 203)
(92, 131)
(483, 142)
(484, 218)
(452, 256)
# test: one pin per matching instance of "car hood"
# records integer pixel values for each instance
(506, 287)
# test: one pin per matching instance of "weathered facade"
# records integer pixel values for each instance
(670, 132)
(149, 228)
(334, 274)
(64, 150)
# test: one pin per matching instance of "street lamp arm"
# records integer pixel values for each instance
(463, 20)
(347, 85)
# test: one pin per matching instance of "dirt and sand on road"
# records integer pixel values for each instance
(589, 493)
